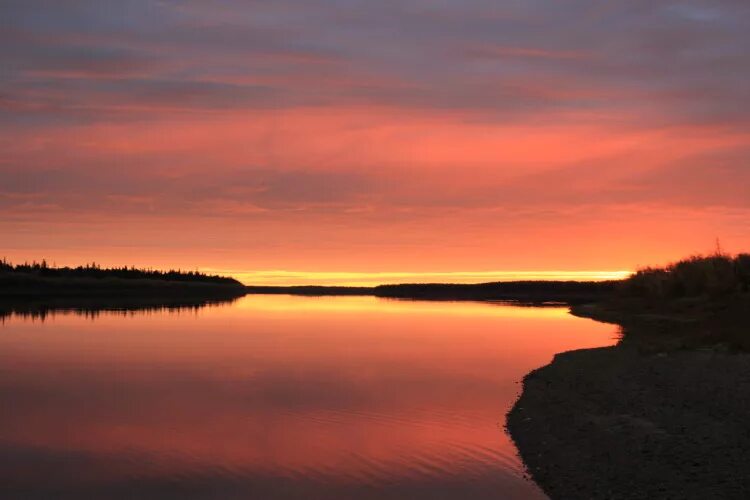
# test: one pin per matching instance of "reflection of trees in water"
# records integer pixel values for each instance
(92, 309)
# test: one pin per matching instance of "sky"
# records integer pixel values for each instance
(352, 141)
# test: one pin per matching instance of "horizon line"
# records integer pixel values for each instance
(282, 277)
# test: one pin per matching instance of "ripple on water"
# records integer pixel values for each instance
(274, 398)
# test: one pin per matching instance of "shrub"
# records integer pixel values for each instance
(648, 282)
(742, 270)
(712, 275)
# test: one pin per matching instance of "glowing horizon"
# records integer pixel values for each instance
(295, 278)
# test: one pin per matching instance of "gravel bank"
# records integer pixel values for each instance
(614, 423)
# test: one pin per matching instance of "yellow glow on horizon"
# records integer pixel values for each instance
(285, 303)
(344, 278)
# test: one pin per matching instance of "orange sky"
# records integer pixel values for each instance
(410, 138)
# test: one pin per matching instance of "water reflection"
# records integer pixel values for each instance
(274, 397)
(40, 309)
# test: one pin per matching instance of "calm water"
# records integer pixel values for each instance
(274, 397)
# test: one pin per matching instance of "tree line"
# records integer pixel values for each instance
(94, 270)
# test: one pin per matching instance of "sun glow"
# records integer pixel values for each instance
(341, 278)
(288, 304)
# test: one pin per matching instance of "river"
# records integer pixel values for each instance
(274, 397)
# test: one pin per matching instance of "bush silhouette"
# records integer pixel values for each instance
(712, 275)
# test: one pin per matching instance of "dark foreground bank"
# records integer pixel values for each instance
(664, 413)
(613, 423)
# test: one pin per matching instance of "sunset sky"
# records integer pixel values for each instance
(352, 141)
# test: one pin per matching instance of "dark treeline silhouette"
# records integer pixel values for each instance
(38, 279)
(542, 291)
(528, 291)
(711, 276)
(93, 270)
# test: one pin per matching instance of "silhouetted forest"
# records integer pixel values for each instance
(93, 270)
(38, 279)
(543, 291)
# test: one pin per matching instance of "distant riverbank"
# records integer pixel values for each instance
(524, 291)
(663, 414)
(37, 280)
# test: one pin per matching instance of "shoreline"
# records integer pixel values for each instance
(29, 287)
(568, 292)
(658, 415)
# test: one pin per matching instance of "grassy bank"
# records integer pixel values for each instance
(693, 303)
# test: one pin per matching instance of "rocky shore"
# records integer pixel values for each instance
(629, 422)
